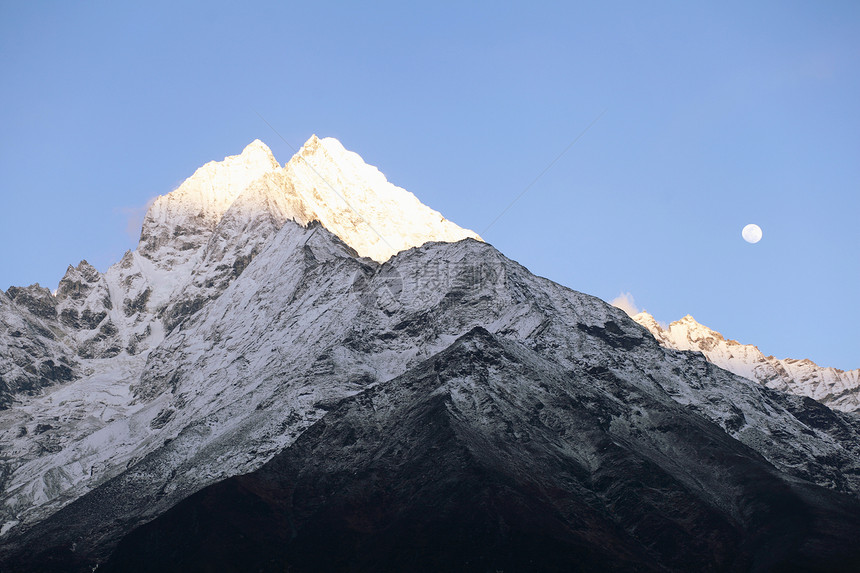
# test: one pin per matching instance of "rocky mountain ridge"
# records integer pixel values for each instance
(838, 389)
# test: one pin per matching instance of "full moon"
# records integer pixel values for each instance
(751, 233)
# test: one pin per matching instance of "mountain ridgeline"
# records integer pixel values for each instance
(303, 368)
(838, 389)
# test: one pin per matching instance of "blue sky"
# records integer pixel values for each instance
(716, 115)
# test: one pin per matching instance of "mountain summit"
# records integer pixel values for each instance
(185, 217)
(303, 368)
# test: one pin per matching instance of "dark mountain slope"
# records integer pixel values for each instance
(487, 457)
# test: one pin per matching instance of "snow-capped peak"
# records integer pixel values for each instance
(356, 202)
(694, 331)
(257, 149)
(323, 182)
(187, 215)
(214, 186)
(197, 239)
(836, 388)
(312, 144)
(645, 319)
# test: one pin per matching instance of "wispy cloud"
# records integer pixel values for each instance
(134, 217)
(625, 302)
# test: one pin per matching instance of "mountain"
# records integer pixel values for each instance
(304, 368)
(838, 389)
(100, 329)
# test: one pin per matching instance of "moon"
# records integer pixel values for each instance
(751, 233)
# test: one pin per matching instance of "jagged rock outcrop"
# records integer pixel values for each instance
(85, 308)
(32, 354)
(36, 299)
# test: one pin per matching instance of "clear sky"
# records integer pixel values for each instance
(718, 114)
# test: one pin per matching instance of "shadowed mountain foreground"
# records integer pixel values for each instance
(489, 458)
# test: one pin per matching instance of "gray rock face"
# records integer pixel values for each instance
(32, 355)
(79, 282)
(85, 306)
(36, 299)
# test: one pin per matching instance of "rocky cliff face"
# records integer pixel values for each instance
(301, 340)
(838, 389)
(32, 355)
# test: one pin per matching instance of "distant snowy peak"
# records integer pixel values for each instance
(836, 388)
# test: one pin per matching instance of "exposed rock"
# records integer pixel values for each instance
(31, 356)
(78, 281)
(131, 307)
(36, 299)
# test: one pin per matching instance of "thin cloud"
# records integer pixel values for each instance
(625, 302)
(134, 217)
